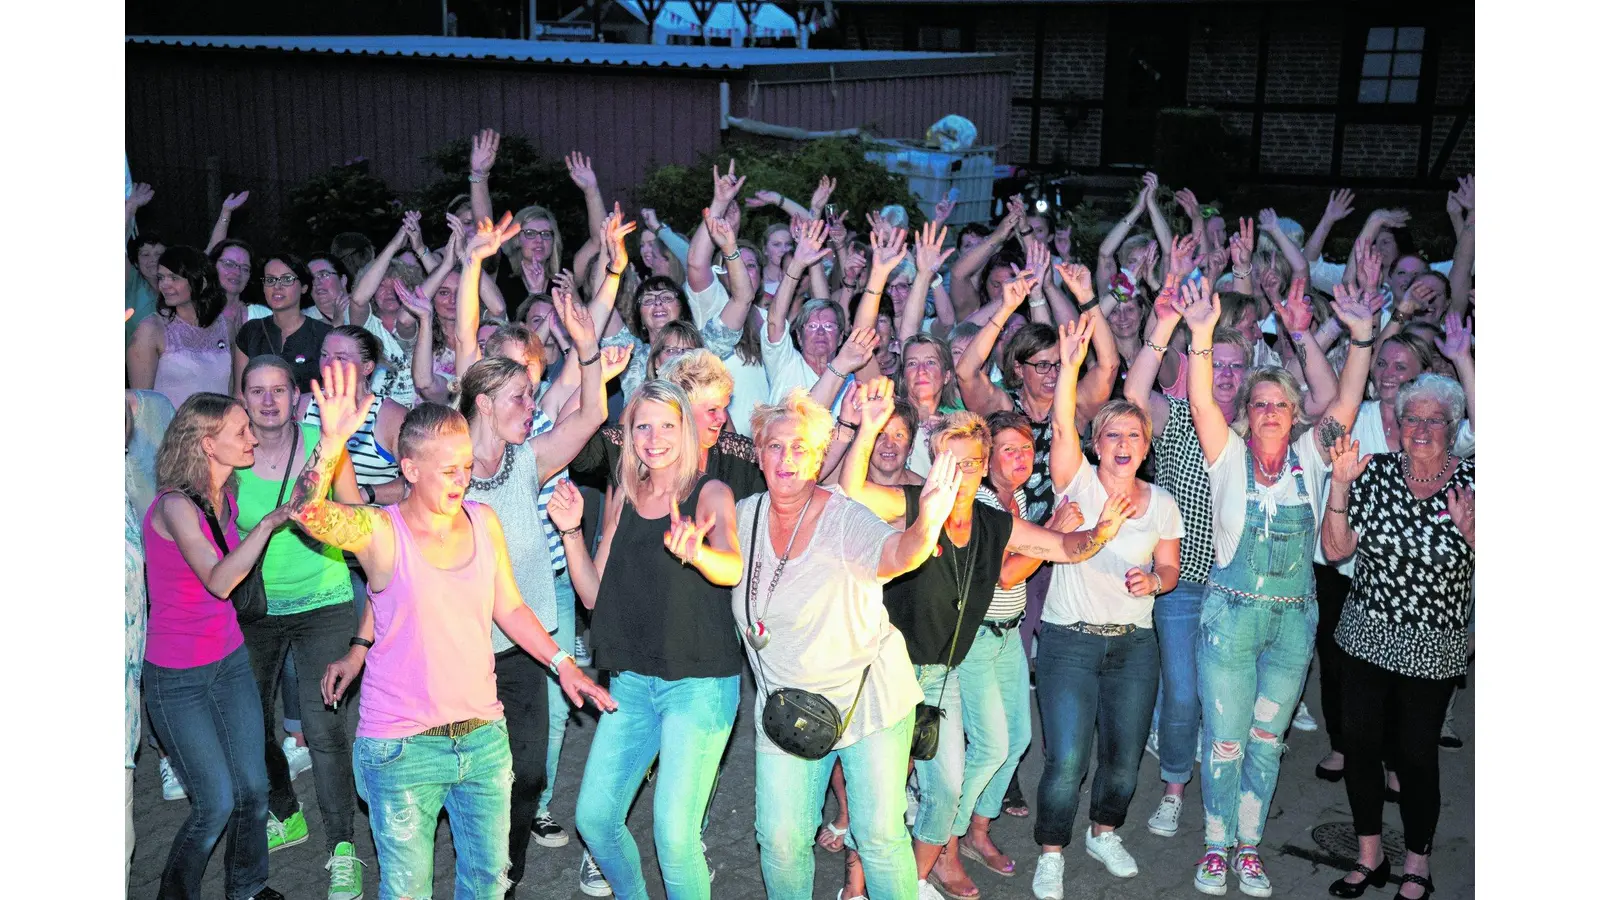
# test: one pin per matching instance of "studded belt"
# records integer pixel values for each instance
(455, 729)
(1249, 596)
(1101, 630)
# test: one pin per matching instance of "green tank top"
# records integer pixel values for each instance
(300, 574)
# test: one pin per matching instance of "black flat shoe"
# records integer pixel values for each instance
(1327, 774)
(1375, 878)
(1423, 880)
(1391, 795)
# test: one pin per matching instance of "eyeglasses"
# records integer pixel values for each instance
(900, 288)
(1229, 367)
(817, 327)
(542, 235)
(969, 465)
(1416, 422)
(657, 299)
(1262, 406)
(279, 281)
(324, 275)
(232, 266)
(1043, 368)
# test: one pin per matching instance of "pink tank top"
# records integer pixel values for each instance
(431, 661)
(188, 626)
(195, 359)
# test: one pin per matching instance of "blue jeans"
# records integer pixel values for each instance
(405, 781)
(1088, 681)
(209, 720)
(1177, 618)
(939, 779)
(998, 720)
(1253, 658)
(560, 708)
(789, 796)
(686, 722)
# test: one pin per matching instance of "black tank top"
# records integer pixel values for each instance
(655, 616)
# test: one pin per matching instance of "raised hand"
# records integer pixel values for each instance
(930, 243)
(1459, 502)
(234, 201)
(857, 350)
(576, 320)
(485, 146)
(647, 215)
(837, 233)
(850, 406)
(1242, 246)
(808, 240)
(486, 241)
(1391, 218)
(1165, 308)
(1457, 341)
(1016, 210)
(614, 360)
(940, 487)
(581, 170)
(819, 197)
(1066, 518)
(1346, 461)
(1073, 339)
(458, 228)
(876, 398)
(1188, 203)
(1151, 185)
(411, 223)
(721, 233)
(1118, 509)
(1340, 204)
(415, 302)
(1356, 315)
(1078, 280)
(565, 507)
(1017, 290)
(615, 229)
(1037, 256)
(1466, 193)
(686, 536)
(888, 249)
(142, 194)
(1419, 298)
(725, 188)
(1201, 309)
(1271, 280)
(1294, 313)
(339, 407)
(945, 206)
(764, 198)
(1268, 219)
(1369, 266)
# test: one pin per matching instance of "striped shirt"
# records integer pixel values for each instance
(558, 553)
(373, 464)
(1008, 602)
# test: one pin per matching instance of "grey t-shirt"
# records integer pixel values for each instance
(513, 494)
(827, 619)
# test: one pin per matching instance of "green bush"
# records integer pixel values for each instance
(347, 197)
(520, 178)
(679, 193)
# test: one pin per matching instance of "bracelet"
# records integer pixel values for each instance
(560, 657)
(788, 274)
(1159, 348)
(1246, 273)
(995, 324)
(564, 532)
(1196, 352)
(1035, 304)
(1366, 343)
(842, 423)
(1159, 586)
(1341, 510)
(475, 178)
(368, 494)
(591, 360)
(842, 376)
(1024, 231)
(360, 642)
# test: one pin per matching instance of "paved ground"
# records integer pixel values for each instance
(1298, 866)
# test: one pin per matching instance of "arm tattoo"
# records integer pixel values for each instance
(1329, 431)
(327, 521)
(312, 485)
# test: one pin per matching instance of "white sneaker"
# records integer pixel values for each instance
(171, 787)
(581, 654)
(711, 870)
(1253, 881)
(1048, 877)
(1303, 720)
(926, 891)
(1165, 820)
(1107, 848)
(1152, 745)
(299, 757)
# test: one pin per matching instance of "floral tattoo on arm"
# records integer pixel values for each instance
(322, 518)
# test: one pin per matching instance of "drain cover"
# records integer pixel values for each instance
(1338, 840)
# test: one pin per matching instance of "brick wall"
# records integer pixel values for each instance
(1304, 44)
(1224, 46)
(1296, 143)
(1380, 150)
(1460, 162)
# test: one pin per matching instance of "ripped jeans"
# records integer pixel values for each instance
(1253, 656)
(406, 780)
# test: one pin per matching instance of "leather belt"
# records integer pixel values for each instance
(1249, 596)
(455, 729)
(1001, 626)
(1101, 630)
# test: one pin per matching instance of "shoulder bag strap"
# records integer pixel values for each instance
(961, 609)
(294, 446)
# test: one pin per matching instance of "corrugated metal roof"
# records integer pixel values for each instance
(552, 52)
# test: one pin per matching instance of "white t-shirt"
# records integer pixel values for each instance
(786, 368)
(1095, 591)
(1230, 484)
(749, 379)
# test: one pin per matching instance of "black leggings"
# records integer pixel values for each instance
(1332, 588)
(1394, 717)
(521, 681)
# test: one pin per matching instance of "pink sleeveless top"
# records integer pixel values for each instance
(195, 359)
(188, 626)
(431, 662)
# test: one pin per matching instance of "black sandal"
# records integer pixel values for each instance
(1373, 878)
(1423, 880)
(1327, 774)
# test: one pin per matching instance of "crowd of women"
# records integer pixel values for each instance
(1199, 459)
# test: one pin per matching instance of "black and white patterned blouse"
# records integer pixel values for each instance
(1411, 598)
(1038, 488)
(1181, 470)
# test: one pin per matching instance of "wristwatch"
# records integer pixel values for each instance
(556, 661)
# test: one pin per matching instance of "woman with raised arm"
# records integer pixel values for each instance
(1258, 621)
(940, 608)
(198, 686)
(1408, 519)
(662, 626)
(1108, 264)
(796, 353)
(373, 446)
(234, 260)
(446, 306)
(187, 346)
(288, 333)
(375, 305)
(729, 316)
(1098, 663)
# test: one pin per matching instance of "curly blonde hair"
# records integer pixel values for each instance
(813, 422)
(181, 463)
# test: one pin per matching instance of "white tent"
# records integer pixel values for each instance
(678, 18)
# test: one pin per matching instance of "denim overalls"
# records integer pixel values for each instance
(1258, 627)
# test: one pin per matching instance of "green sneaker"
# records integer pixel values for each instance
(344, 873)
(287, 833)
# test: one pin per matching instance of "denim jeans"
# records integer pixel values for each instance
(939, 779)
(208, 719)
(405, 782)
(1087, 682)
(1033, 615)
(318, 637)
(789, 796)
(559, 708)
(1177, 619)
(1253, 657)
(520, 682)
(289, 690)
(686, 722)
(997, 718)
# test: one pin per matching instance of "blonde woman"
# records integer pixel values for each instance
(663, 627)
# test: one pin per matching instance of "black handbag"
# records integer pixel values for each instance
(249, 596)
(798, 722)
(925, 732)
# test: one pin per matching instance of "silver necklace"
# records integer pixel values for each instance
(756, 632)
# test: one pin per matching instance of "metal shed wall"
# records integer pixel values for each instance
(896, 107)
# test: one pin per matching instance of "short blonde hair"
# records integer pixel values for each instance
(956, 426)
(811, 420)
(699, 373)
(1116, 409)
(1266, 375)
(631, 470)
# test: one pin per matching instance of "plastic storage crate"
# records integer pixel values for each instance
(930, 173)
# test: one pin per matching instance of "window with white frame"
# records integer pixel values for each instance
(1391, 67)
